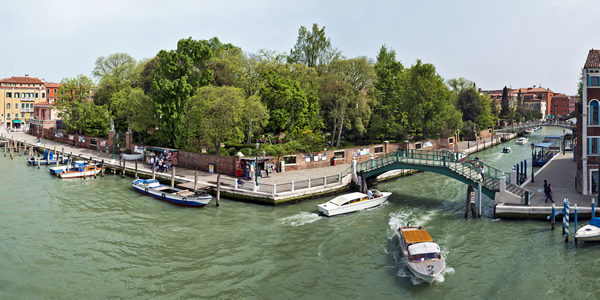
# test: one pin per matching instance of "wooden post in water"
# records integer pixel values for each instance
(135, 174)
(218, 188)
(173, 176)
(153, 170)
(195, 180)
(102, 168)
(469, 200)
(38, 162)
(123, 175)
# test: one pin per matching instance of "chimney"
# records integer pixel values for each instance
(26, 75)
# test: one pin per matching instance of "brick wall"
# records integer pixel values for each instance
(199, 161)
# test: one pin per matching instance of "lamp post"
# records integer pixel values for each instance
(532, 162)
(256, 167)
(564, 142)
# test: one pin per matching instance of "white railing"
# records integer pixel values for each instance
(27, 110)
(27, 99)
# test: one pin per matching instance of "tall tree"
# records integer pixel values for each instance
(255, 116)
(178, 74)
(288, 105)
(73, 101)
(387, 118)
(218, 114)
(313, 48)
(428, 103)
(458, 85)
(469, 104)
(505, 103)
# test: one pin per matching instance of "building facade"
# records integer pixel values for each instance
(559, 106)
(18, 95)
(588, 115)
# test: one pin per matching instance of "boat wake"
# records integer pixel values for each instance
(402, 218)
(300, 219)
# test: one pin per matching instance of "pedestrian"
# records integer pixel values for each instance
(482, 172)
(548, 192)
(121, 158)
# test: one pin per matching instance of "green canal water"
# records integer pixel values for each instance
(98, 239)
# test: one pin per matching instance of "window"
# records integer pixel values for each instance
(43, 95)
(7, 105)
(593, 81)
(16, 95)
(593, 146)
(378, 149)
(594, 115)
(37, 95)
(8, 115)
(339, 154)
(8, 95)
(54, 91)
(47, 91)
(16, 105)
(289, 159)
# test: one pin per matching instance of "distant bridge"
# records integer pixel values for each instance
(452, 164)
(516, 128)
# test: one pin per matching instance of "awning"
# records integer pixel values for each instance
(16, 121)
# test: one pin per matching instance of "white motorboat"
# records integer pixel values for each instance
(589, 232)
(530, 130)
(423, 256)
(506, 150)
(352, 202)
(80, 170)
(522, 141)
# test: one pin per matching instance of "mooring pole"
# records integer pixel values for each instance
(124, 161)
(566, 220)
(153, 170)
(553, 216)
(196, 180)
(102, 167)
(593, 208)
(135, 175)
(218, 188)
(479, 197)
(575, 223)
(173, 176)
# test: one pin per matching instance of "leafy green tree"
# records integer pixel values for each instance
(178, 74)
(428, 103)
(459, 85)
(485, 119)
(72, 102)
(287, 104)
(313, 48)
(388, 118)
(255, 116)
(469, 104)
(217, 112)
(336, 97)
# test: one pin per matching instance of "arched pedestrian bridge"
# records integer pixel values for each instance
(452, 164)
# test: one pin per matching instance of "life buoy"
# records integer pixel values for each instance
(183, 199)
(163, 195)
(146, 190)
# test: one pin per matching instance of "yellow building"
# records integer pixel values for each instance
(17, 97)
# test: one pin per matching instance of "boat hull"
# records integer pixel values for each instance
(589, 233)
(426, 271)
(194, 201)
(79, 174)
(47, 162)
(330, 211)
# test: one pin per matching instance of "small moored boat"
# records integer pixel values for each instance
(423, 256)
(522, 141)
(78, 170)
(506, 150)
(151, 187)
(352, 202)
(589, 232)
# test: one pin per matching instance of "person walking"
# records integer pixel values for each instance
(548, 192)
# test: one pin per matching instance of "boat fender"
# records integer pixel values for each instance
(183, 199)
(163, 195)
(146, 190)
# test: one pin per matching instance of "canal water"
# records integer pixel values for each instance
(97, 239)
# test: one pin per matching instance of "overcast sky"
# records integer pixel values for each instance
(517, 43)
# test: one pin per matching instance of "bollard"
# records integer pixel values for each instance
(566, 218)
(575, 223)
(593, 208)
(553, 216)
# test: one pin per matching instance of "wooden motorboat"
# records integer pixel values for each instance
(352, 202)
(62, 169)
(153, 188)
(589, 232)
(423, 256)
(80, 169)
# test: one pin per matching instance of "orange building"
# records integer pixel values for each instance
(536, 94)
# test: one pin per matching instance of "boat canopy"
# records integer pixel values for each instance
(423, 248)
(345, 198)
(416, 236)
(544, 145)
(595, 222)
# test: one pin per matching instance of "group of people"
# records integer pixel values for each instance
(548, 191)
(161, 163)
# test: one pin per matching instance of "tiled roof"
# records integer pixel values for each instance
(25, 80)
(52, 85)
(560, 96)
(593, 59)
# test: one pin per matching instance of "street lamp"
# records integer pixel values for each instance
(256, 167)
(532, 162)
(564, 142)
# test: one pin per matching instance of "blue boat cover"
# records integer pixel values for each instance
(544, 145)
(553, 136)
(595, 222)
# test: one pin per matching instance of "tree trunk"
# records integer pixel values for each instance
(333, 132)
(249, 139)
(340, 132)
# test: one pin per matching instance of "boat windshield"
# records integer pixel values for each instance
(424, 257)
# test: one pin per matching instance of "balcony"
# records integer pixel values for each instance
(27, 99)
(27, 109)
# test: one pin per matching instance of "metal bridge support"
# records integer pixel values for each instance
(479, 198)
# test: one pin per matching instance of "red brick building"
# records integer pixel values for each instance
(559, 106)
